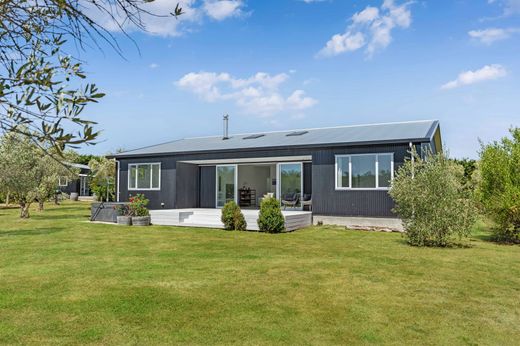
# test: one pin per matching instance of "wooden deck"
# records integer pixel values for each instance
(210, 218)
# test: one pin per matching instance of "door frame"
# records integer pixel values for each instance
(235, 192)
(279, 182)
(83, 185)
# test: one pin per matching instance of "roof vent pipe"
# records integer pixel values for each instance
(226, 127)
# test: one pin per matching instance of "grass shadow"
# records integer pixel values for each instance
(37, 231)
(451, 245)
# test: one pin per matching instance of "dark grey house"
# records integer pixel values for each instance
(79, 185)
(340, 171)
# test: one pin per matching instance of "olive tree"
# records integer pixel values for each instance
(42, 88)
(102, 178)
(48, 172)
(27, 173)
(499, 186)
(432, 201)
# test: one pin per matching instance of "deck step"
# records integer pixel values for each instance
(210, 218)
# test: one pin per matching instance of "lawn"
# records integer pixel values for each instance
(66, 281)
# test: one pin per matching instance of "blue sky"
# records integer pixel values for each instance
(288, 64)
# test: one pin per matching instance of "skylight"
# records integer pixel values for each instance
(254, 136)
(297, 133)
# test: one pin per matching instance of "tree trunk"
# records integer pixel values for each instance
(40, 205)
(24, 210)
(7, 199)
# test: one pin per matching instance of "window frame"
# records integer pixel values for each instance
(60, 181)
(350, 188)
(136, 165)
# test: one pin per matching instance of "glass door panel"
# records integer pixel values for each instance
(290, 182)
(226, 184)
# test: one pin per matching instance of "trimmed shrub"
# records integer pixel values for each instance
(432, 201)
(232, 217)
(239, 220)
(499, 186)
(271, 219)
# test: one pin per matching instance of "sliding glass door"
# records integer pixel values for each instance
(290, 182)
(226, 184)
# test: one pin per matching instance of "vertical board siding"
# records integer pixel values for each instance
(327, 200)
(207, 197)
(187, 186)
(165, 195)
(307, 178)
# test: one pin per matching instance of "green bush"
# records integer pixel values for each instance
(432, 201)
(240, 220)
(271, 219)
(232, 217)
(499, 186)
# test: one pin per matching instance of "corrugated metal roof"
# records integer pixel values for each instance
(372, 133)
(77, 165)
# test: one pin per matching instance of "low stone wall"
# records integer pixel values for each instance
(106, 213)
(364, 223)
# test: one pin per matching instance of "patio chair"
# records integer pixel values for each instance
(290, 200)
(307, 201)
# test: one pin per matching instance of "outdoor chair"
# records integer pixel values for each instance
(290, 200)
(307, 201)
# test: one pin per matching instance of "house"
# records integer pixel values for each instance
(79, 185)
(343, 171)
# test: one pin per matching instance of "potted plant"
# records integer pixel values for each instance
(124, 216)
(138, 210)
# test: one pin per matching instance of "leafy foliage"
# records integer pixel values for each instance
(499, 188)
(27, 174)
(102, 179)
(232, 217)
(123, 210)
(432, 200)
(41, 91)
(270, 218)
(470, 167)
(138, 205)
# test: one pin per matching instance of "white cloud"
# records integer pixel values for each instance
(159, 20)
(491, 35)
(510, 7)
(153, 65)
(370, 28)
(488, 72)
(259, 94)
(222, 9)
(368, 15)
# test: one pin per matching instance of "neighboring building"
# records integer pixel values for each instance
(345, 171)
(79, 185)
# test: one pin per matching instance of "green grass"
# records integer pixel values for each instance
(66, 281)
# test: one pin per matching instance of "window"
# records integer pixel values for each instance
(144, 176)
(364, 171)
(63, 181)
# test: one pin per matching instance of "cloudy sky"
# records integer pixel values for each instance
(290, 64)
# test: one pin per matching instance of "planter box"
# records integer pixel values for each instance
(105, 212)
(124, 220)
(141, 220)
(74, 196)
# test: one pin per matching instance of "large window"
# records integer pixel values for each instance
(365, 171)
(144, 176)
